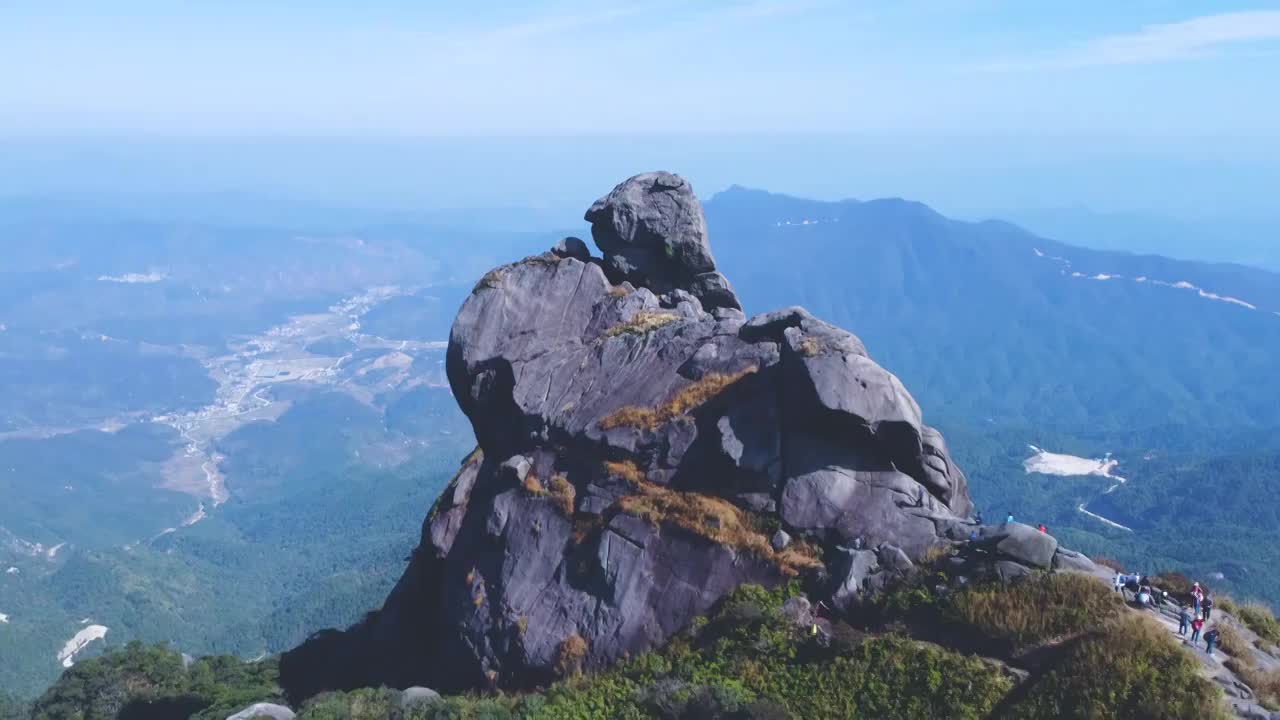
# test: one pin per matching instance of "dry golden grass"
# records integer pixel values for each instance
(1037, 609)
(1260, 619)
(491, 279)
(533, 485)
(624, 469)
(1107, 562)
(1264, 683)
(685, 399)
(563, 494)
(810, 346)
(569, 656)
(935, 554)
(798, 554)
(1233, 642)
(1131, 669)
(713, 518)
(642, 323)
(617, 291)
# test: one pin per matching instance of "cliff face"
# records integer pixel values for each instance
(644, 448)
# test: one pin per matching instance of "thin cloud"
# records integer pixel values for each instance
(1197, 37)
(771, 8)
(552, 25)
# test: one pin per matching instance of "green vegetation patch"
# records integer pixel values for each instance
(1261, 620)
(745, 661)
(153, 681)
(1130, 670)
(1036, 609)
(999, 619)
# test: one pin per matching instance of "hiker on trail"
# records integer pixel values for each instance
(920, 497)
(978, 518)
(1196, 624)
(1197, 595)
(1118, 581)
(1184, 620)
(1207, 605)
(1042, 528)
(1008, 518)
(1131, 585)
(1143, 598)
(1210, 639)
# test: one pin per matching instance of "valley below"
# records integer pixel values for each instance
(229, 462)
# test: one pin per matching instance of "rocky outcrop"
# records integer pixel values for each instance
(652, 232)
(267, 711)
(644, 448)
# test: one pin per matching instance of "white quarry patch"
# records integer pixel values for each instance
(134, 278)
(4, 619)
(1105, 276)
(1049, 463)
(78, 642)
(11, 571)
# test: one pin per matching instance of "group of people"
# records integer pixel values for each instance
(1190, 617)
(1008, 518)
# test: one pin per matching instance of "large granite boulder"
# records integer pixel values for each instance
(640, 445)
(652, 232)
(1022, 544)
(263, 711)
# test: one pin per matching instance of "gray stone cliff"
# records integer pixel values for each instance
(644, 449)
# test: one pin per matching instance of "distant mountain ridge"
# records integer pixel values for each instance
(1247, 241)
(1039, 331)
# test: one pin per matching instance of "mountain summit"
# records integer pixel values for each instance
(645, 449)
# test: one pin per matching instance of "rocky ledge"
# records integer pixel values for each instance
(644, 449)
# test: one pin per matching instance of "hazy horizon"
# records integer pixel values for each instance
(979, 109)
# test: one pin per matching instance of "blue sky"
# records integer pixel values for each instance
(973, 105)
(570, 67)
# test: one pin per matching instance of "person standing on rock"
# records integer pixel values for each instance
(1008, 518)
(1196, 625)
(1207, 605)
(1118, 581)
(1184, 620)
(1197, 596)
(1210, 639)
